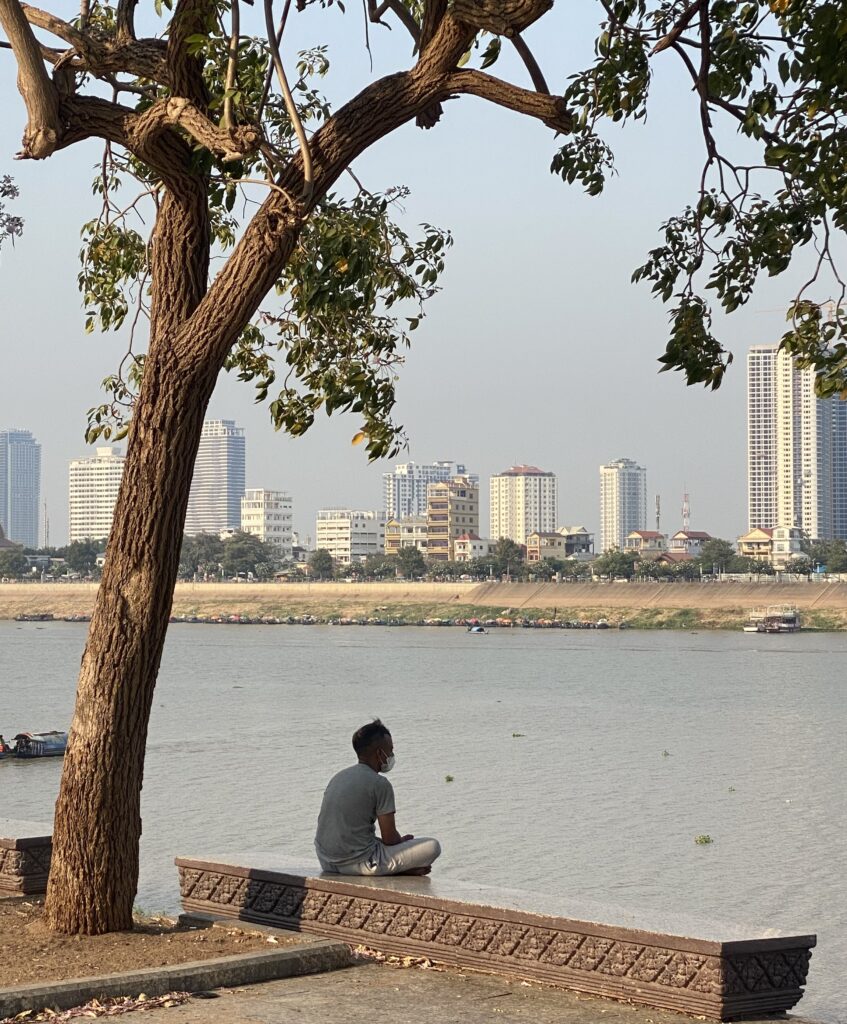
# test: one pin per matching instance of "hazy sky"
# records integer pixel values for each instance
(538, 350)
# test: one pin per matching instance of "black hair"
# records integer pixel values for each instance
(368, 735)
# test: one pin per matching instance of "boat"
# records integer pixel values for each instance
(477, 629)
(28, 745)
(774, 619)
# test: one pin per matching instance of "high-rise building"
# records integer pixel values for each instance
(20, 486)
(523, 500)
(217, 488)
(623, 502)
(268, 516)
(93, 485)
(349, 535)
(452, 511)
(404, 488)
(796, 448)
(761, 436)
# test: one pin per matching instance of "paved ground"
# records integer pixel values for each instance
(374, 992)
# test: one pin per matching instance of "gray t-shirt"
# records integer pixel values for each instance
(351, 803)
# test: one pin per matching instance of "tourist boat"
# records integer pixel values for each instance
(28, 745)
(775, 619)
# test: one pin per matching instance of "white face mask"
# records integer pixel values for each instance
(388, 764)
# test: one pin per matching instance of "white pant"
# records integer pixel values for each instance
(390, 860)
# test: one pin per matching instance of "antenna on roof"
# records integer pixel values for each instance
(686, 512)
(658, 513)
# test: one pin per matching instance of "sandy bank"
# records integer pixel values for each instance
(710, 605)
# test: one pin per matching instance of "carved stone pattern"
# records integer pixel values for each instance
(230, 890)
(760, 972)
(676, 969)
(10, 862)
(36, 860)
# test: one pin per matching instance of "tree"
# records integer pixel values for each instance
(830, 553)
(507, 556)
(243, 553)
(201, 553)
(81, 555)
(193, 116)
(411, 563)
(321, 564)
(379, 567)
(717, 555)
(615, 563)
(12, 562)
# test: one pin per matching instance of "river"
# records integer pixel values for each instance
(582, 763)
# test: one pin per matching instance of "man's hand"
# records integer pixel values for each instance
(388, 830)
(405, 839)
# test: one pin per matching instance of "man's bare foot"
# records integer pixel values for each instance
(418, 871)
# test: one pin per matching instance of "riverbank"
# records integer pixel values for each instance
(822, 606)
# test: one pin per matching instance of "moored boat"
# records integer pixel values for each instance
(28, 745)
(774, 619)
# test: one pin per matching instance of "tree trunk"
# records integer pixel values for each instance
(94, 872)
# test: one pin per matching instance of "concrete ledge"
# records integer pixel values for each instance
(25, 851)
(198, 976)
(733, 974)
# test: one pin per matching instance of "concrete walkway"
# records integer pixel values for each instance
(373, 992)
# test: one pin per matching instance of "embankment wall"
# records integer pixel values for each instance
(683, 605)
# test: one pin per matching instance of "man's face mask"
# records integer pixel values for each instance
(387, 763)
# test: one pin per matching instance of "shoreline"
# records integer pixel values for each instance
(822, 606)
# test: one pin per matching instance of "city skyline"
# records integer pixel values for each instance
(304, 527)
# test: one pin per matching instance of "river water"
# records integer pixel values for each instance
(583, 763)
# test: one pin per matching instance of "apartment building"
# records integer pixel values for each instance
(350, 535)
(268, 515)
(93, 485)
(452, 510)
(523, 499)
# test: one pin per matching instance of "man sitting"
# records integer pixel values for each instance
(357, 797)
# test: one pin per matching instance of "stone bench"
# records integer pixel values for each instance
(725, 974)
(25, 851)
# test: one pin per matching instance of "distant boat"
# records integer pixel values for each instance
(477, 629)
(28, 745)
(774, 619)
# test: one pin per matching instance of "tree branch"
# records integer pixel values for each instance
(403, 14)
(163, 150)
(551, 110)
(144, 58)
(43, 129)
(186, 72)
(55, 26)
(290, 105)
(526, 55)
(678, 28)
(232, 61)
(433, 15)
(125, 20)
(234, 144)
